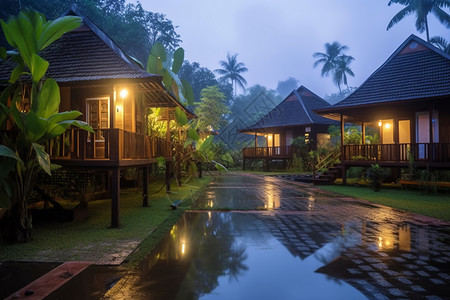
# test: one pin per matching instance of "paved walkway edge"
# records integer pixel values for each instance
(51, 281)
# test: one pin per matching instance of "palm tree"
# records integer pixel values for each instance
(342, 69)
(421, 8)
(441, 43)
(328, 59)
(231, 70)
(334, 60)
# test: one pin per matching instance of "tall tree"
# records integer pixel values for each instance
(133, 28)
(421, 8)
(342, 69)
(335, 61)
(232, 70)
(441, 43)
(211, 110)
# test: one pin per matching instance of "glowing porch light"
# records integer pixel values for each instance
(123, 93)
(183, 247)
(380, 123)
(387, 125)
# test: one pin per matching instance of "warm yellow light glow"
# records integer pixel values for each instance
(123, 93)
(118, 108)
(387, 125)
(183, 247)
(380, 123)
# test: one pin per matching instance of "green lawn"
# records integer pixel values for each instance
(88, 238)
(437, 206)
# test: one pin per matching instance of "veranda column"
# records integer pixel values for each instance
(115, 197)
(145, 186)
(344, 173)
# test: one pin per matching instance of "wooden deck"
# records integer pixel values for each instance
(268, 152)
(420, 154)
(107, 147)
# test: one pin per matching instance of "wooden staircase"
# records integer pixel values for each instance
(328, 176)
(332, 172)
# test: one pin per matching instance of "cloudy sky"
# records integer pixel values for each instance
(276, 39)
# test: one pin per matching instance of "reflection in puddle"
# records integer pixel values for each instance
(231, 256)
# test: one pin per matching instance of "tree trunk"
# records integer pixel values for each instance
(426, 28)
(16, 224)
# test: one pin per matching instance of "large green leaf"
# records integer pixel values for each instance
(8, 152)
(38, 67)
(23, 36)
(180, 116)
(178, 58)
(192, 134)
(154, 65)
(7, 31)
(53, 30)
(43, 158)
(49, 99)
(15, 74)
(64, 116)
(159, 51)
(206, 144)
(35, 127)
(82, 125)
(188, 92)
(55, 130)
(167, 80)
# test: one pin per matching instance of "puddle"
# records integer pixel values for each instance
(231, 256)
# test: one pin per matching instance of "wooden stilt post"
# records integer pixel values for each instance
(168, 175)
(115, 197)
(145, 186)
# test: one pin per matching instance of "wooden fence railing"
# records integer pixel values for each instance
(112, 144)
(438, 152)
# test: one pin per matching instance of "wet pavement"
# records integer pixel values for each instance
(255, 237)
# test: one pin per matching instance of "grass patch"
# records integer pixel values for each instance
(91, 238)
(437, 206)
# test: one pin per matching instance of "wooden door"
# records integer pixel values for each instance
(98, 115)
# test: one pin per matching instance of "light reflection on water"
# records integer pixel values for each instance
(232, 256)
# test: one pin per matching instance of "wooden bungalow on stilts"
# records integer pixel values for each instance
(293, 117)
(407, 100)
(97, 78)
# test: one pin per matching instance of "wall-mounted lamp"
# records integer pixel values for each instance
(380, 123)
(387, 125)
(123, 93)
(118, 108)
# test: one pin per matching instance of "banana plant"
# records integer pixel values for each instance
(26, 131)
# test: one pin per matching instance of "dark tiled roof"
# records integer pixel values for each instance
(416, 70)
(82, 55)
(86, 54)
(295, 110)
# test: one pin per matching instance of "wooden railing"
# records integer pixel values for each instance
(111, 144)
(266, 152)
(439, 152)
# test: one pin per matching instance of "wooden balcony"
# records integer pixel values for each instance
(421, 153)
(112, 147)
(268, 152)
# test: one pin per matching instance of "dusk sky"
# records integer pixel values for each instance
(276, 39)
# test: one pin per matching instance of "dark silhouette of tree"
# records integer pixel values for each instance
(342, 69)
(286, 86)
(232, 70)
(132, 28)
(421, 8)
(441, 43)
(335, 61)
